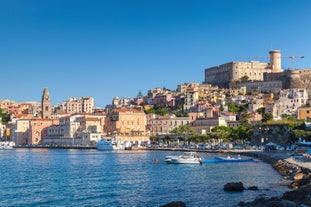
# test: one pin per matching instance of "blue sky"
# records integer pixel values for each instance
(120, 47)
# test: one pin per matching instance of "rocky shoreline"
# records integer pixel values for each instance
(297, 173)
(299, 178)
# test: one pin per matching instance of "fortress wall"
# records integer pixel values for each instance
(292, 79)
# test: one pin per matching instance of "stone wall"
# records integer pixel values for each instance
(292, 79)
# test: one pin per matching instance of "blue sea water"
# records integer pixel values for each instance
(58, 177)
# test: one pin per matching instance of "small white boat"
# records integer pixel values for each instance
(231, 158)
(169, 158)
(187, 158)
(107, 144)
(7, 145)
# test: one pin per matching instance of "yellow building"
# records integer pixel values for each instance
(20, 132)
(267, 99)
(128, 124)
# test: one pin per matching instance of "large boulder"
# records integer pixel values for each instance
(234, 187)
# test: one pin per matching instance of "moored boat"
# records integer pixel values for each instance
(107, 144)
(7, 145)
(187, 158)
(231, 158)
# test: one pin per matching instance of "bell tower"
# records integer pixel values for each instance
(45, 104)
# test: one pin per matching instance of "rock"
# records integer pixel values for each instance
(175, 204)
(299, 196)
(260, 201)
(264, 201)
(252, 188)
(299, 176)
(282, 203)
(235, 187)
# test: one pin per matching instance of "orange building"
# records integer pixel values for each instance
(38, 129)
(304, 112)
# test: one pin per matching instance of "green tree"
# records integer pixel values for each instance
(221, 132)
(244, 78)
(261, 111)
(266, 117)
(233, 107)
(5, 117)
(183, 129)
(157, 110)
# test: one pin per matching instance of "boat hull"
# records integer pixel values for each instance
(187, 158)
(233, 159)
(186, 161)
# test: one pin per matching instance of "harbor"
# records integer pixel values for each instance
(59, 177)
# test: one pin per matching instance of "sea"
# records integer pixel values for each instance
(72, 177)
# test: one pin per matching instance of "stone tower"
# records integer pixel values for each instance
(45, 104)
(275, 61)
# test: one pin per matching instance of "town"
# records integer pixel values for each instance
(238, 103)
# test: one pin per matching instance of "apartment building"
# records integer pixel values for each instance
(76, 129)
(20, 132)
(304, 113)
(83, 105)
(128, 123)
(4, 104)
(191, 99)
(164, 99)
(161, 125)
(290, 100)
(38, 129)
(204, 125)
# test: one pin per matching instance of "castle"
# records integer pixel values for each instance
(259, 75)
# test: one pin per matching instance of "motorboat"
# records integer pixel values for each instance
(7, 145)
(107, 144)
(169, 158)
(187, 158)
(231, 158)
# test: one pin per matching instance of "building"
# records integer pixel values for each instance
(83, 105)
(164, 99)
(163, 125)
(191, 99)
(5, 104)
(231, 72)
(304, 113)
(129, 124)
(38, 130)
(20, 132)
(259, 76)
(290, 100)
(204, 125)
(45, 104)
(76, 129)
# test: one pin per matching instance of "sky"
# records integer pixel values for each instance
(108, 48)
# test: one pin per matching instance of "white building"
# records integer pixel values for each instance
(289, 101)
(191, 99)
